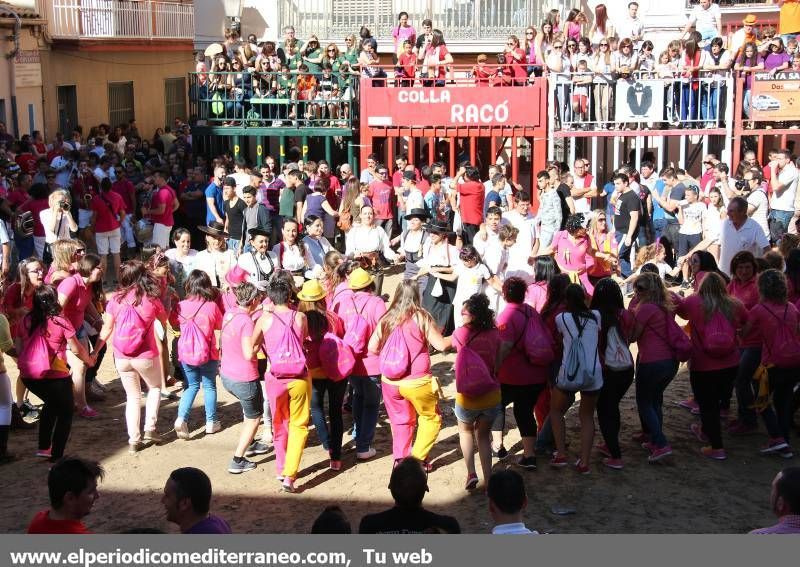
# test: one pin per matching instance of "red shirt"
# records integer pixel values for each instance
(17, 198)
(43, 524)
(471, 202)
(519, 68)
(27, 163)
(107, 208)
(408, 62)
(380, 194)
(163, 196)
(125, 189)
(36, 207)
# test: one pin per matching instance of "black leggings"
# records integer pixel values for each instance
(524, 400)
(708, 387)
(91, 372)
(615, 385)
(55, 419)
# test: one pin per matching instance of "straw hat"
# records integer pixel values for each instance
(750, 20)
(311, 291)
(360, 278)
(236, 275)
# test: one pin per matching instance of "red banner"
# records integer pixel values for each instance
(452, 106)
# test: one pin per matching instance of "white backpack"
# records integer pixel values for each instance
(579, 371)
(617, 355)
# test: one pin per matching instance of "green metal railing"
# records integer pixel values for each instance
(273, 100)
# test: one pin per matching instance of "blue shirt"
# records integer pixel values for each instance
(213, 191)
(658, 210)
(491, 197)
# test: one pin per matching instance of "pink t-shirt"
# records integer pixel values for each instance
(372, 309)
(747, 293)
(572, 256)
(237, 324)
(273, 335)
(107, 208)
(341, 303)
(766, 317)
(536, 295)
(207, 316)
(164, 196)
(485, 343)
(692, 310)
(78, 299)
(380, 194)
(653, 345)
(516, 369)
(59, 331)
(311, 345)
(417, 348)
(149, 310)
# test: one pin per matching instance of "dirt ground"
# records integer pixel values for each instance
(685, 493)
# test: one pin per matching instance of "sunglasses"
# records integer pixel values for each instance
(331, 51)
(528, 33)
(558, 46)
(603, 45)
(572, 45)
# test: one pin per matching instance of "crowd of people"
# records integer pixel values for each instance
(73, 489)
(299, 81)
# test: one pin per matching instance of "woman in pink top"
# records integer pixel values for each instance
(744, 287)
(289, 398)
(475, 414)
(75, 298)
(773, 312)
(55, 387)
(608, 301)
(403, 31)
(320, 322)
(573, 252)
(366, 379)
(139, 290)
(714, 316)
(656, 364)
(199, 310)
(543, 271)
(239, 373)
(412, 399)
(521, 383)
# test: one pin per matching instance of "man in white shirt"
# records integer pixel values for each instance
(507, 501)
(583, 188)
(706, 19)
(757, 200)
(527, 244)
(631, 26)
(104, 170)
(65, 166)
(784, 202)
(241, 175)
(369, 175)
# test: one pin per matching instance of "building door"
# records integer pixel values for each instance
(67, 109)
(120, 103)
(175, 100)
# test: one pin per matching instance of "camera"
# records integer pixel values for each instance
(741, 184)
(64, 205)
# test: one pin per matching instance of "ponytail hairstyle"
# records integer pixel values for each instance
(556, 290)
(477, 306)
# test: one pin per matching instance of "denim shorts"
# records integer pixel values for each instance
(249, 394)
(472, 415)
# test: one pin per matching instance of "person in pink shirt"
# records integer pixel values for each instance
(108, 214)
(573, 251)
(744, 287)
(239, 373)
(366, 378)
(713, 315)
(289, 397)
(381, 195)
(54, 388)
(521, 382)
(403, 32)
(162, 204)
(141, 292)
(75, 298)
(773, 312)
(475, 414)
(320, 322)
(656, 364)
(607, 300)
(199, 309)
(411, 400)
(543, 271)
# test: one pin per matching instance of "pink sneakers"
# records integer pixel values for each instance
(558, 461)
(711, 453)
(88, 413)
(612, 463)
(697, 430)
(658, 453)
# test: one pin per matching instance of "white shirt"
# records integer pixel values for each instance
(251, 262)
(293, 257)
(242, 181)
(693, 215)
(749, 237)
(788, 179)
(582, 204)
(481, 245)
(705, 20)
(517, 528)
(712, 222)
(62, 226)
(64, 169)
(315, 255)
(629, 27)
(439, 255)
(361, 239)
(707, 59)
(415, 200)
(215, 264)
(521, 251)
(758, 199)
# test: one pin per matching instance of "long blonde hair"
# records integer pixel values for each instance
(650, 289)
(404, 306)
(714, 294)
(64, 253)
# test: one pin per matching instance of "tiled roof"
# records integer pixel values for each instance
(7, 11)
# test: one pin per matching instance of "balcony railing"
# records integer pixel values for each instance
(734, 3)
(459, 20)
(120, 19)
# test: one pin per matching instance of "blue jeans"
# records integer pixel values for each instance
(233, 244)
(330, 439)
(688, 102)
(624, 254)
(207, 374)
(710, 97)
(366, 402)
(779, 224)
(652, 378)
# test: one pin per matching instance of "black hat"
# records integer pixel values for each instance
(214, 228)
(421, 214)
(438, 227)
(253, 232)
(409, 175)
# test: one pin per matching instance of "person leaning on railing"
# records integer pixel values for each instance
(604, 69)
(748, 63)
(715, 64)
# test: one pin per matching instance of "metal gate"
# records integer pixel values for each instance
(67, 109)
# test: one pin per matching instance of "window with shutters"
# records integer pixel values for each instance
(175, 99)
(120, 103)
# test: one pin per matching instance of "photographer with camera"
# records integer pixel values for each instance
(57, 220)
